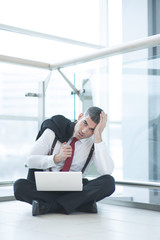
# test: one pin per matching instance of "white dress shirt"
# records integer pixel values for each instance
(39, 158)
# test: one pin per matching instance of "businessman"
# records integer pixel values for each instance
(76, 146)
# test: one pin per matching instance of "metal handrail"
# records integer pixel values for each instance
(131, 46)
(25, 62)
(32, 33)
(128, 183)
(142, 184)
(6, 183)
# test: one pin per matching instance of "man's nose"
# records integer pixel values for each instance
(84, 130)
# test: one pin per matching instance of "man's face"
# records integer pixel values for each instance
(84, 127)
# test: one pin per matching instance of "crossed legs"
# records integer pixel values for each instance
(67, 202)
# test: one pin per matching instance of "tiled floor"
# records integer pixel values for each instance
(111, 223)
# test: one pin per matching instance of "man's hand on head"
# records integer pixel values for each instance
(100, 127)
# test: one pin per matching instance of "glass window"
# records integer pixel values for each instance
(130, 97)
(59, 97)
(77, 20)
(18, 113)
(15, 142)
(39, 49)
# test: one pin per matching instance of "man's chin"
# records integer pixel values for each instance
(79, 136)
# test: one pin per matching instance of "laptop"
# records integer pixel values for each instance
(58, 181)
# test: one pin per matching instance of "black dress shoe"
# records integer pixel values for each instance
(89, 208)
(35, 208)
(39, 207)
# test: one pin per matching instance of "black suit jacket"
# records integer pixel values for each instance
(61, 126)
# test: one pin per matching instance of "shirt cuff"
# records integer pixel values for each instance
(51, 162)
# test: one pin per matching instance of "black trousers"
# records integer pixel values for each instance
(94, 190)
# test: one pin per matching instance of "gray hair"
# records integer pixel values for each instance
(94, 113)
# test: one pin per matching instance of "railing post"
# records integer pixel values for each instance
(41, 103)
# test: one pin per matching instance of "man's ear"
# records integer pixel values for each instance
(80, 116)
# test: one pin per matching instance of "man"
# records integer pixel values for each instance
(87, 131)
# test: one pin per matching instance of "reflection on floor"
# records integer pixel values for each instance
(111, 223)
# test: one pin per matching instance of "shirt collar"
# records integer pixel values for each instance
(84, 139)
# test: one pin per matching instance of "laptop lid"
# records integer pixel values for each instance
(58, 181)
